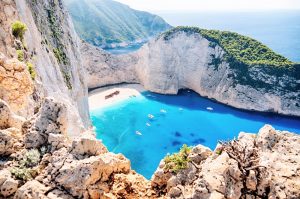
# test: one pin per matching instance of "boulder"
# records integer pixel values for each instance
(16, 85)
(79, 176)
(9, 187)
(31, 190)
(49, 119)
(10, 141)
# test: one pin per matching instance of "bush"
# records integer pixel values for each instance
(31, 158)
(19, 29)
(20, 55)
(31, 70)
(25, 171)
(178, 161)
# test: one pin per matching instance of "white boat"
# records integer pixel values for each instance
(163, 111)
(138, 133)
(148, 124)
(150, 116)
(209, 108)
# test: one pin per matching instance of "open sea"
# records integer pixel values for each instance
(279, 30)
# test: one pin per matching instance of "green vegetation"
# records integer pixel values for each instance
(219, 152)
(25, 170)
(67, 80)
(178, 161)
(238, 48)
(19, 29)
(20, 54)
(60, 56)
(105, 22)
(31, 70)
(23, 173)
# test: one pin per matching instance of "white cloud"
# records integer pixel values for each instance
(200, 5)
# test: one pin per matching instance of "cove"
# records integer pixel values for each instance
(147, 127)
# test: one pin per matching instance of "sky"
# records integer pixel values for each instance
(211, 5)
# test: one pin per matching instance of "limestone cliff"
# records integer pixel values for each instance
(50, 46)
(190, 60)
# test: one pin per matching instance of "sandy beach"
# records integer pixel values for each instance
(108, 95)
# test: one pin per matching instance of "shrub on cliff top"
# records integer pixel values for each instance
(241, 48)
(178, 161)
(19, 29)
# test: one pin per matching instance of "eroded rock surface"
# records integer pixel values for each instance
(253, 166)
(15, 85)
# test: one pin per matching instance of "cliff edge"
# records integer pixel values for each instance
(228, 67)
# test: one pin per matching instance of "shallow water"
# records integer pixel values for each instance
(184, 118)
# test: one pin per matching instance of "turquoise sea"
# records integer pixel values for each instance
(279, 30)
(126, 127)
(188, 118)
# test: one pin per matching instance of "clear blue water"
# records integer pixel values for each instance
(186, 120)
(279, 30)
(127, 49)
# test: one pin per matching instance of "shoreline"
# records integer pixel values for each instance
(106, 96)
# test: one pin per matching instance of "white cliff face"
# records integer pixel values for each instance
(62, 79)
(191, 62)
(104, 69)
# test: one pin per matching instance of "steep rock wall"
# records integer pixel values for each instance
(52, 46)
(191, 61)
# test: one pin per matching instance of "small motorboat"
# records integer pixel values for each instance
(209, 108)
(148, 124)
(150, 116)
(138, 133)
(163, 111)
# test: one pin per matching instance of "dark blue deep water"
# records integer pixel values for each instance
(184, 118)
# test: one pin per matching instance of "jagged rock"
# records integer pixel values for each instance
(199, 153)
(31, 190)
(251, 181)
(130, 185)
(58, 141)
(263, 165)
(78, 176)
(50, 119)
(15, 85)
(58, 194)
(10, 141)
(9, 187)
(8, 118)
(4, 174)
(88, 146)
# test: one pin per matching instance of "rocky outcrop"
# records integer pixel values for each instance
(105, 69)
(253, 166)
(190, 61)
(54, 166)
(51, 47)
(16, 85)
